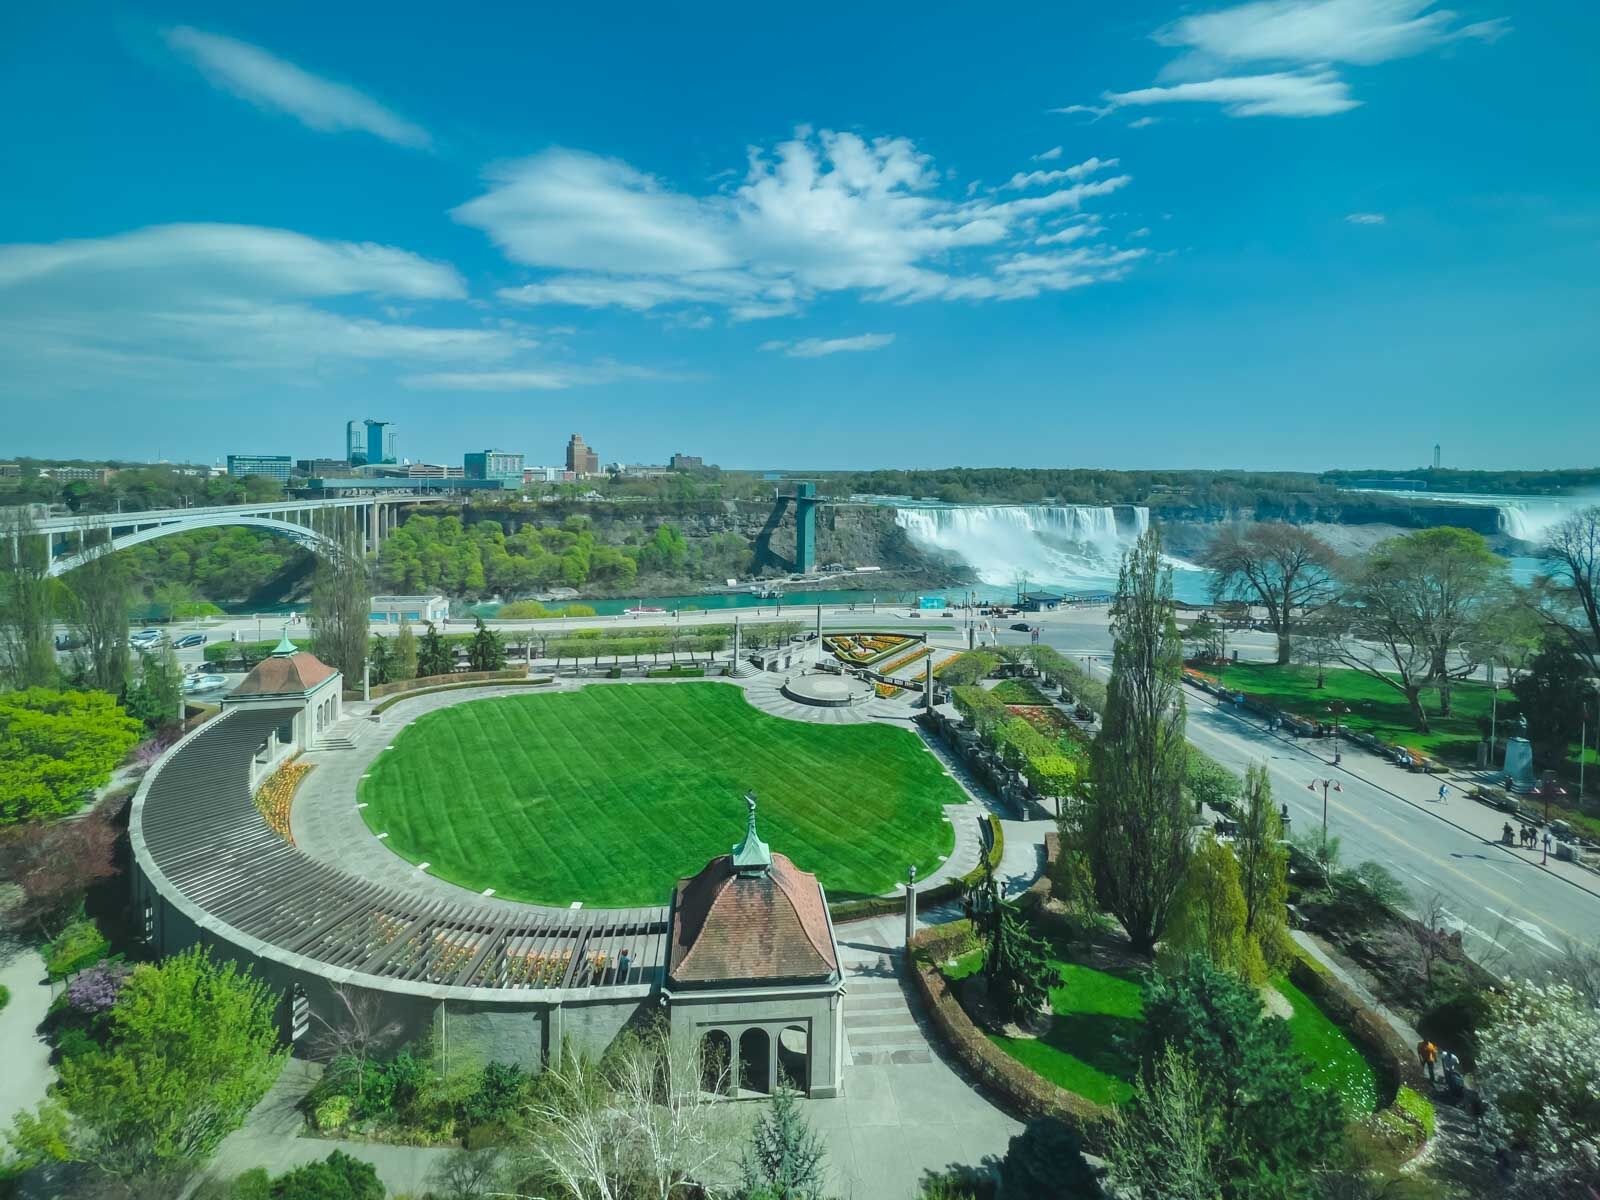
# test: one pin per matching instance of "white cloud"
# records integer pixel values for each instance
(536, 379)
(1278, 57)
(823, 212)
(1040, 178)
(268, 81)
(212, 306)
(1144, 122)
(1365, 218)
(1280, 94)
(1049, 155)
(1361, 32)
(817, 347)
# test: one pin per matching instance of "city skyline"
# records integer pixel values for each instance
(1287, 235)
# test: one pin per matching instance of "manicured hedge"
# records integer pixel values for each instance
(1018, 1089)
(456, 687)
(429, 682)
(940, 893)
(676, 673)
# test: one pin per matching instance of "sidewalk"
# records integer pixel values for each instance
(28, 1073)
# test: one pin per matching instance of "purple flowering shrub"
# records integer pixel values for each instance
(95, 990)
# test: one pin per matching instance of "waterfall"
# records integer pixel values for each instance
(1054, 545)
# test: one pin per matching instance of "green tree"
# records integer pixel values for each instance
(1209, 916)
(153, 697)
(434, 656)
(337, 1177)
(1414, 612)
(1045, 1162)
(1166, 1141)
(99, 612)
(1553, 693)
(785, 1159)
(56, 748)
(405, 654)
(27, 604)
(1016, 965)
(486, 653)
(341, 603)
(1263, 868)
(1281, 1131)
(1285, 569)
(1137, 824)
(380, 654)
(192, 1046)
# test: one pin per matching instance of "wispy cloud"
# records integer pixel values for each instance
(1144, 122)
(817, 347)
(1365, 218)
(1280, 57)
(536, 379)
(1049, 155)
(821, 213)
(1079, 171)
(268, 81)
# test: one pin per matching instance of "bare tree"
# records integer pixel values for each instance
(354, 1033)
(1573, 554)
(341, 601)
(1287, 570)
(636, 1125)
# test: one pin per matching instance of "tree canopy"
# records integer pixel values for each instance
(1285, 569)
(56, 748)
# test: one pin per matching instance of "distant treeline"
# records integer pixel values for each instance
(1514, 483)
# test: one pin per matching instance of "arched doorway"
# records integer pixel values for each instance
(794, 1059)
(755, 1051)
(716, 1062)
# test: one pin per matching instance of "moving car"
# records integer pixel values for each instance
(1023, 627)
(189, 640)
(145, 639)
(205, 683)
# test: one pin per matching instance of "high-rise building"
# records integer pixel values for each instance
(494, 464)
(355, 443)
(1436, 456)
(380, 441)
(686, 462)
(581, 459)
(322, 468)
(273, 466)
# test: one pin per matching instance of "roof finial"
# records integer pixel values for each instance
(752, 855)
(285, 647)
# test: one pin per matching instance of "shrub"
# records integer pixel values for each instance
(940, 943)
(254, 1184)
(1416, 1108)
(94, 991)
(1045, 1162)
(332, 1113)
(5, 997)
(337, 1177)
(79, 945)
(499, 1087)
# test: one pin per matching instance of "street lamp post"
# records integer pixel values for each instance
(1311, 787)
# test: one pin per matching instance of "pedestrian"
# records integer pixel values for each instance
(1444, 790)
(1427, 1055)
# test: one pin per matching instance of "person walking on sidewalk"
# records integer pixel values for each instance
(1428, 1055)
(1444, 790)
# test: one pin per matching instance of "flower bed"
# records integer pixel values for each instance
(906, 660)
(864, 649)
(275, 797)
(1049, 721)
(886, 691)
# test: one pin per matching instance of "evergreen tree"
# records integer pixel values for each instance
(1016, 966)
(1209, 915)
(1045, 1162)
(434, 656)
(486, 652)
(405, 654)
(785, 1159)
(1263, 868)
(1281, 1131)
(154, 696)
(1137, 825)
(1553, 693)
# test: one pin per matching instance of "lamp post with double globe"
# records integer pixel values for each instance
(1325, 785)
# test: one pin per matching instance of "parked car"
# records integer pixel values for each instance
(189, 640)
(1022, 627)
(205, 683)
(68, 641)
(144, 639)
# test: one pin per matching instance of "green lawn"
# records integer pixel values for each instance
(1088, 1048)
(1375, 707)
(609, 794)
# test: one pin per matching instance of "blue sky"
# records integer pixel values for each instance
(1292, 234)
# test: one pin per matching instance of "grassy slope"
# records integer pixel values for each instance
(608, 795)
(1088, 1048)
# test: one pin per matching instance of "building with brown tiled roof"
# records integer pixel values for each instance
(307, 690)
(753, 973)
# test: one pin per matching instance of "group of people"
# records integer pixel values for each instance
(1527, 836)
(1434, 1061)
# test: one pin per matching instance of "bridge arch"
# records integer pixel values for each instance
(312, 539)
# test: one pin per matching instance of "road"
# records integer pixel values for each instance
(1509, 911)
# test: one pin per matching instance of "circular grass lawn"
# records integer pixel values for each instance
(610, 794)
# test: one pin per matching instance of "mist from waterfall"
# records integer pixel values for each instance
(1074, 546)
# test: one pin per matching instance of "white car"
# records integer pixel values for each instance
(144, 640)
(205, 683)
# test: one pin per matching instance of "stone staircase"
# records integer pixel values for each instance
(349, 733)
(884, 1021)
